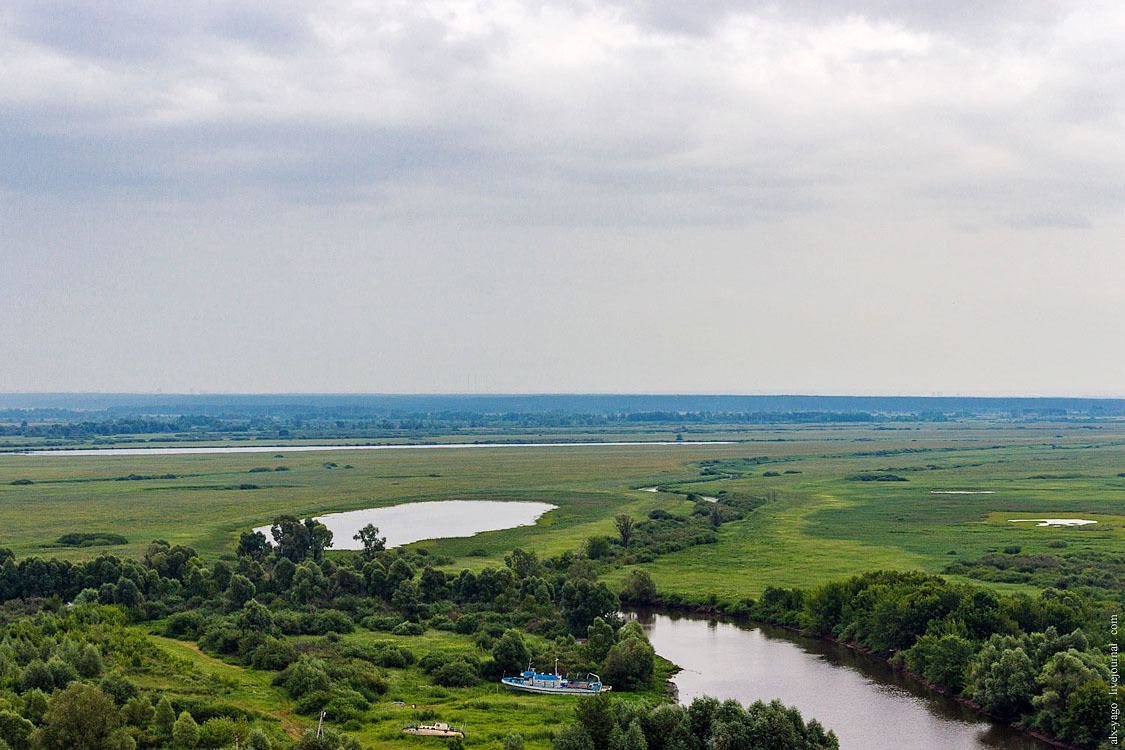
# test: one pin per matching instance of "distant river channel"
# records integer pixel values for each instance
(202, 449)
(869, 705)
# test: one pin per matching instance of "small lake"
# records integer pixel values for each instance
(441, 519)
(867, 704)
(187, 449)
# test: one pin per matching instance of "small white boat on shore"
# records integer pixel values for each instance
(437, 729)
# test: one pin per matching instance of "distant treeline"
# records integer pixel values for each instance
(63, 425)
(341, 406)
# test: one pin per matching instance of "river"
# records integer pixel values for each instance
(869, 705)
(201, 449)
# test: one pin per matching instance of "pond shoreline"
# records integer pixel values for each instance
(712, 613)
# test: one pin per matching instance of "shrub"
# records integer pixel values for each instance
(185, 732)
(274, 654)
(380, 622)
(408, 628)
(457, 673)
(332, 620)
(305, 676)
(186, 625)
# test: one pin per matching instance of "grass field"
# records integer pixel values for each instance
(824, 524)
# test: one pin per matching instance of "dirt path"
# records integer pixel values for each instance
(192, 647)
(283, 714)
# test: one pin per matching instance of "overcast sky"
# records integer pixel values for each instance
(808, 196)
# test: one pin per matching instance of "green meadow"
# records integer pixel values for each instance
(843, 499)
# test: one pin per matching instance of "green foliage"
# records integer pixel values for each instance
(638, 587)
(185, 732)
(298, 540)
(600, 723)
(942, 660)
(34, 706)
(36, 676)
(15, 730)
(81, 718)
(306, 675)
(1004, 681)
(625, 526)
(90, 539)
(583, 601)
(457, 673)
(600, 638)
(118, 687)
(511, 653)
(629, 665)
(369, 537)
(89, 662)
(163, 719)
(597, 547)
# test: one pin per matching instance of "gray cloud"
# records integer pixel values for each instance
(439, 165)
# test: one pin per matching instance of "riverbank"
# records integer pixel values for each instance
(956, 711)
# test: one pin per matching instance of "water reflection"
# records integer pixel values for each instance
(412, 522)
(869, 705)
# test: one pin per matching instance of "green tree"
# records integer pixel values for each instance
(258, 740)
(600, 638)
(625, 526)
(254, 545)
(89, 662)
(1086, 720)
(1060, 678)
(595, 715)
(511, 653)
(307, 675)
(629, 665)
(35, 705)
(185, 732)
(118, 687)
(36, 676)
(942, 660)
(638, 586)
(164, 719)
(597, 547)
(62, 674)
(137, 712)
(512, 741)
(15, 730)
(81, 718)
(239, 591)
(523, 564)
(126, 593)
(369, 537)
(407, 599)
(572, 737)
(583, 600)
(1004, 681)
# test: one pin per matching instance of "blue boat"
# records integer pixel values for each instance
(530, 681)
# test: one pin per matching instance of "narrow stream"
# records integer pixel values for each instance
(869, 705)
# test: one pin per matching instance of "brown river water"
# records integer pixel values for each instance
(869, 705)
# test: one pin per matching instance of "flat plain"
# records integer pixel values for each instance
(841, 499)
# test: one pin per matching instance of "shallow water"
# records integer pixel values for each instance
(1052, 521)
(182, 450)
(867, 704)
(442, 519)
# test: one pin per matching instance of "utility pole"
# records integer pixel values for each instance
(320, 724)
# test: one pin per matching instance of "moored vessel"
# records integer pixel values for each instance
(530, 681)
